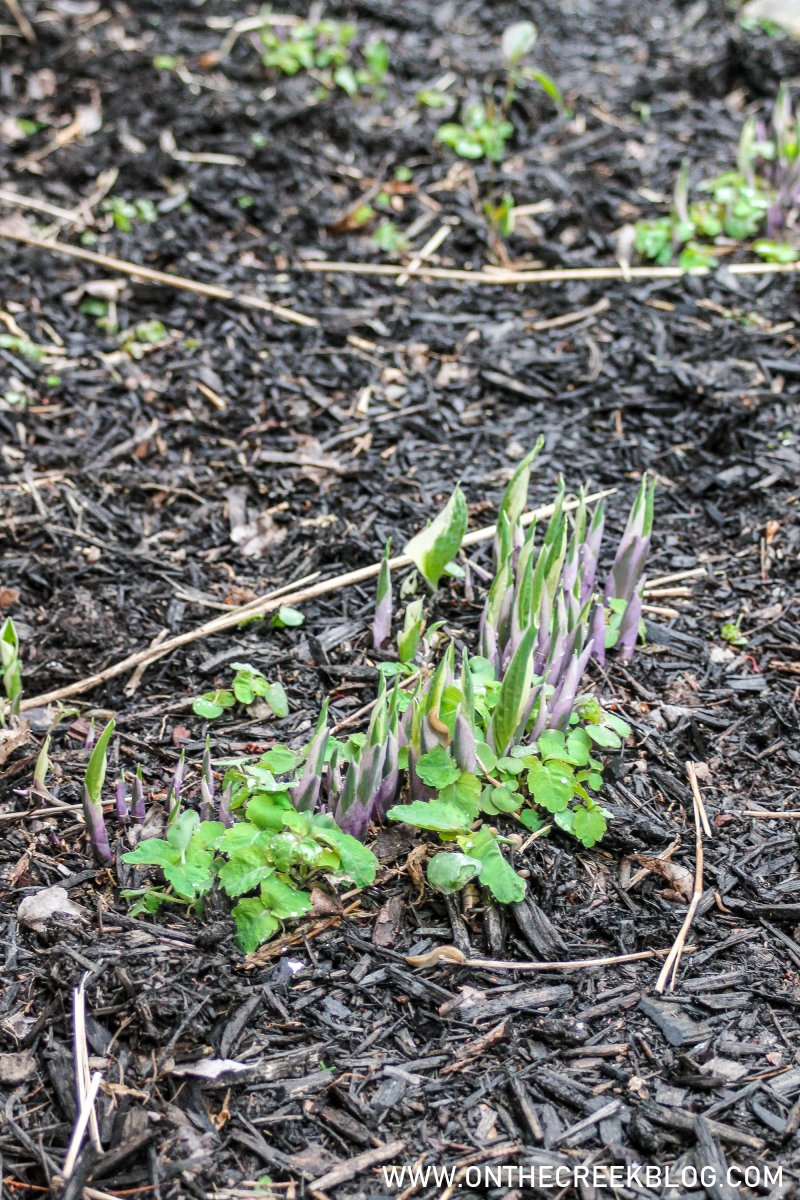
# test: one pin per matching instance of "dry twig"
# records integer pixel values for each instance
(670, 969)
(266, 604)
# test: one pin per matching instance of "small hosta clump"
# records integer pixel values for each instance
(758, 201)
(482, 750)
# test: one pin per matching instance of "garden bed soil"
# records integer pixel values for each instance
(242, 451)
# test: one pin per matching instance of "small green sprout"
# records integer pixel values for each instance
(10, 665)
(731, 633)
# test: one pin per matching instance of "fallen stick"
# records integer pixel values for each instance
(180, 282)
(670, 968)
(791, 814)
(266, 604)
(548, 275)
(452, 956)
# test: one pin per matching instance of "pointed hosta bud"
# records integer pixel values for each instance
(629, 627)
(208, 773)
(138, 808)
(382, 621)
(206, 802)
(173, 802)
(563, 700)
(590, 552)
(224, 807)
(598, 633)
(305, 794)
(419, 790)
(96, 828)
(464, 744)
(488, 644)
(121, 799)
(542, 721)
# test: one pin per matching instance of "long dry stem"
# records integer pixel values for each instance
(266, 604)
(670, 969)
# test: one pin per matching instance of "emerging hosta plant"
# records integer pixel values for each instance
(485, 751)
(759, 199)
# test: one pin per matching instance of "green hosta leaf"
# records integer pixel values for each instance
(432, 548)
(280, 759)
(601, 735)
(450, 871)
(244, 872)
(438, 768)
(357, 861)
(514, 692)
(481, 670)
(496, 875)
(589, 825)
(552, 785)
(96, 769)
(515, 496)
(442, 816)
(255, 924)
(284, 900)
(408, 637)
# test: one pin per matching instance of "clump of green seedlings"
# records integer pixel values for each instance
(757, 202)
(480, 752)
(124, 214)
(325, 49)
(248, 685)
(485, 128)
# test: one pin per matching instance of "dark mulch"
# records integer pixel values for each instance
(124, 495)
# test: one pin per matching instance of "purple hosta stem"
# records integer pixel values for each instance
(629, 627)
(174, 794)
(224, 807)
(206, 802)
(138, 809)
(464, 744)
(382, 621)
(563, 700)
(96, 826)
(598, 632)
(488, 644)
(208, 774)
(121, 798)
(419, 790)
(627, 569)
(589, 556)
(305, 794)
(428, 736)
(542, 721)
